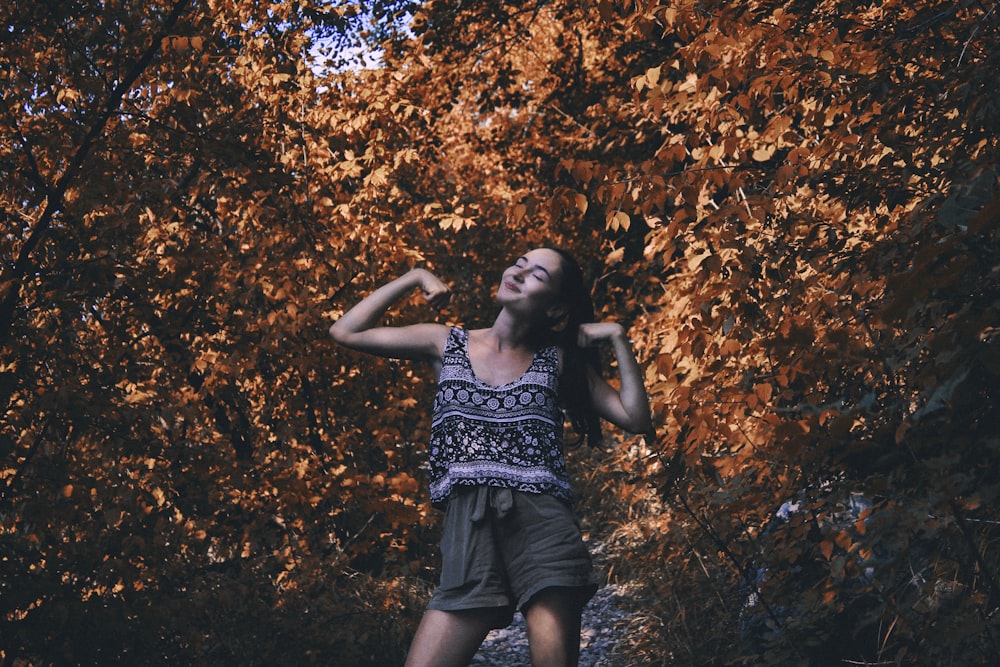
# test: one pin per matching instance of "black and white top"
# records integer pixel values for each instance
(509, 436)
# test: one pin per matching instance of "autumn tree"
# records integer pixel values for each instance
(175, 484)
(798, 207)
(793, 204)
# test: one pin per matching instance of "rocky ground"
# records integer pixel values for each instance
(604, 623)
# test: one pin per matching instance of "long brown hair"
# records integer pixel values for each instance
(574, 387)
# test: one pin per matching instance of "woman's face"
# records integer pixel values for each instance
(533, 283)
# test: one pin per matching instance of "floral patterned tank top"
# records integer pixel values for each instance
(509, 436)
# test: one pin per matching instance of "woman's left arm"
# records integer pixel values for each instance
(628, 406)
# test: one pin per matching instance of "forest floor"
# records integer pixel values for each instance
(604, 627)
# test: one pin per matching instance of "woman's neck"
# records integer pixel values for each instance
(511, 332)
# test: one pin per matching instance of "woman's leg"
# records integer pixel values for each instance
(553, 620)
(449, 638)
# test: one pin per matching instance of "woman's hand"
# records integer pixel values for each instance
(436, 292)
(593, 333)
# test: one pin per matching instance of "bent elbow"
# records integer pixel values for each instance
(640, 427)
(640, 424)
(338, 334)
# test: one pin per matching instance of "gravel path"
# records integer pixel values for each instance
(603, 625)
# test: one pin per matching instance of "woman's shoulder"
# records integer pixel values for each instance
(475, 334)
(556, 354)
(430, 337)
(456, 339)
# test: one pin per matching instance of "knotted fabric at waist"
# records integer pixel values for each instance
(492, 498)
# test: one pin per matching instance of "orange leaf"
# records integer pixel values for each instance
(619, 220)
(843, 540)
(763, 392)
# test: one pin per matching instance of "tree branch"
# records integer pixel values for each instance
(57, 193)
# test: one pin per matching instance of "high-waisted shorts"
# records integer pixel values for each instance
(501, 547)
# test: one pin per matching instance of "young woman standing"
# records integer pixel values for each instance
(510, 539)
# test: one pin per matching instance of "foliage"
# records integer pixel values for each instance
(794, 205)
(829, 331)
(170, 436)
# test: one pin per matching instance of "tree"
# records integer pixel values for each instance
(796, 171)
(174, 481)
(793, 204)
(798, 202)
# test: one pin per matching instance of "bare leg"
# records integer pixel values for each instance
(449, 638)
(553, 620)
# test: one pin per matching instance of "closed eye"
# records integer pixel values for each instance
(538, 272)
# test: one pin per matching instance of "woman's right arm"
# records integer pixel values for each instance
(357, 329)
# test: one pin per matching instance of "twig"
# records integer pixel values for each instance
(974, 31)
(343, 547)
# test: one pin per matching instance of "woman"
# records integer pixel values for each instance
(510, 539)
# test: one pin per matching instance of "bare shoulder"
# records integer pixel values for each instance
(435, 334)
(476, 335)
(427, 338)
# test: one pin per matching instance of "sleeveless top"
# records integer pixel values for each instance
(509, 436)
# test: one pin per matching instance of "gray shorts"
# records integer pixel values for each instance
(500, 547)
